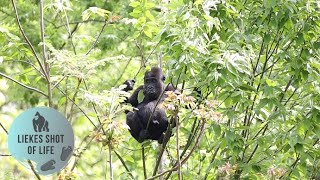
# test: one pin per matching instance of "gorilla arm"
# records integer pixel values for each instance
(133, 99)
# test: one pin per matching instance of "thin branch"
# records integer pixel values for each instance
(193, 148)
(46, 65)
(123, 163)
(187, 157)
(95, 109)
(110, 161)
(69, 31)
(5, 155)
(78, 22)
(77, 107)
(164, 143)
(124, 70)
(177, 144)
(153, 51)
(23, 85)
(33, 169)
(74, 98)
(144, 162)
(58, 82)
(212, 160)
(5, 130)
(97, 39)
(27, 62)
(27, 40)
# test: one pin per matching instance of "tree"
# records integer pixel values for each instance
(251, 67)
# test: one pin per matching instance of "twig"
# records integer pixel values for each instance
(124, 70)
(46, 65)
(110, 160)
(177, 143)
(5, 155)
(73, 99)
(144, 162)
(27, 40)
(77, 107)
(95, 110)
(27, 62)
(96, 41)
(211, 161)
(5, 130)
(186, 158)
(194, 147)
(58, 82)
(143, 61)
(33, 170)
(164, 143)
(161, 165)
(23, 85)
(77, 22)
(123, 163)
(69, 31)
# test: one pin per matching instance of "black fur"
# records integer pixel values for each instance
(138, 120)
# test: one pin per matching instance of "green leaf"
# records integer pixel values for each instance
(129, 158)
(149, 5)
(134, 4)
(300, 38)
(298, 147)
(140, 96)
(270, 3)
(256, 168)
(147, 31)
(95, 11)
(216, 129)
(198, 2)
(267, 38)
(246, 87)
(271, 83)
(149, 15)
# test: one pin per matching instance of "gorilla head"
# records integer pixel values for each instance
(153, 83)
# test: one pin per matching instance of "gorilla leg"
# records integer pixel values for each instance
(45, 127)
(35, 125)
(136, 126)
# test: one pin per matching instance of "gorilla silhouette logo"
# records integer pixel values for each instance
(39, 123)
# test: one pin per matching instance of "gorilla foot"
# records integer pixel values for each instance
(143, 135)
(161, 138)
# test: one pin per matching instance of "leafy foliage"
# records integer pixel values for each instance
(248, 71)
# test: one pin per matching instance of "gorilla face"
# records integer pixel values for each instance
(153, 84)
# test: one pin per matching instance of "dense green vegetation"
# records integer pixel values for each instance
(255, 65)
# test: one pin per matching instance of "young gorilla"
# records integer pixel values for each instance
(138, 119)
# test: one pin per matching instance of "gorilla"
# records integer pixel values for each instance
(137, 120)
(39, 123)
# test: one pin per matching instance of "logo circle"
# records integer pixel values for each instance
(43, 136)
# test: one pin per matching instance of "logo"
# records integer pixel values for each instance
(44, 136)
(39, 123)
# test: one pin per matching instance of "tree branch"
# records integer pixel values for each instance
(96, 41)
(23, 85)
(46, 65)
(33, 170)
(27, 40)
